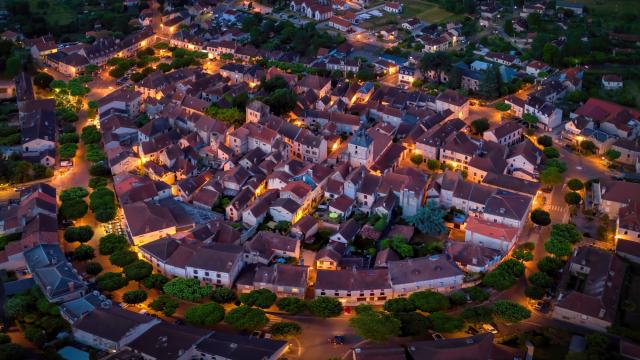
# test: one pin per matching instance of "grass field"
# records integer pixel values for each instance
(427, 11)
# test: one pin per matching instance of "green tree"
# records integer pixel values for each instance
(291, 305)
(429, 219)
(534, 292)
(375, 326)
(575, 184)
(499, 280)
(429, 301)
(91, 134)
(325, 307)
(98, 182)
(433, 164)
(93, 268)
(155, 281)
(138, 270)
(572, 198)
(541, 279)
(479, 126)
(246, 318)
(477, 294)
(36, 335)
(187, 289)
(123, 258)
(42, 80)
(550, 265)
(508, 27)
(612, 155)
(111, 281)
(503, 107)
(445, 323)
(134, 296)
(83, 252)
(478, 314)
(417, 159)
(545, 140)
(412, 323)
(94, 154)
(530, 119)
(73, 193)
(597, 346)
(567, 232)
(81, 234)
(223, 295)
(204, 314)
(588, 146)
(551, 153)
(399, 305)
(551, 176)
(17, 307)
(262, 298)
(67, 151)
(164, 303)
(112, 243)
(285, 329)
(490, 84)
(510, 311)
(522, 255)
(540, 217)
(558, 247)
(281, 101)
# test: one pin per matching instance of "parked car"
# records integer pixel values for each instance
(472, 331)
(490, 328)
(337, 340)
(437, 336)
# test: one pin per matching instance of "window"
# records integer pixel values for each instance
(206, 273)
(195, 271)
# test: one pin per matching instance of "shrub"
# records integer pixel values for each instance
(223, 295)
(204, 314)
(134, 296)
(291, 305)
(285, 329)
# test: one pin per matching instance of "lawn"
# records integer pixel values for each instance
(427, 11)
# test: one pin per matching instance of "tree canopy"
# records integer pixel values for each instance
(429, 301)
(246, 318)
(429, 219)
(262, 298)
(325, 307)
(375, 326)
(187, 289)
(204, 314)
(510, 311)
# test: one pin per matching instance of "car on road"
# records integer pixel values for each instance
(437, 336)
(337, 340)
(472, 331)
(490, 328)
(256, 334)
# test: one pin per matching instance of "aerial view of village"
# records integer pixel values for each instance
(320, 179)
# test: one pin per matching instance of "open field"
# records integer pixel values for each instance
(428, 12)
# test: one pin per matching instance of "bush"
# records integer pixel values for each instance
(78, 233)
(429, 301)
(93, 268)
(285, 329)
(477, 294)
(325, 307)
(83, 252)
(111, 281)
(442, 322)
(138, 270)
(134, 296)
(262, 298)
(246, 318)
(204, 314)
(112, 243)
(223, 295)
(545, 140)
(187, 289)
(399, 305)
(123, 258)
(155, 281)
(510, 311)
(458, 298)
(291, 305)
(478, 314)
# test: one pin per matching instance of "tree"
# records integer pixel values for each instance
(155, 281)
(445, 323)
(73, 209)
(597, 346)
(325, 307)
(530, 119)
(503, 107)
(134, 296)
(551, 176)
(138, 270)
(204, 314)
(567, 232)
(399, 305)
(78, 233)
(94, 154)
(111, 243)
(575, 184)
(164, 303)
(98, 182)
(478, 314)
(433, 164)
(558, 247)
(93, 268)
(429, 301)
(412, 323)
(588, 146)
(123, 258)
(11, 351)
(522, 255)
(102, 203)
(540, 217)
(187, 289)
(479, 126)
(550, 265)
(612, 155)
(477, 293)
(541, 279)
(42, 80)
(262, 298)
(417, 159)
(74, 193)
(572, 198)
(375, 326)
(281, 101)
(551, 54)
(499, 280)
(490, 84)
(246, 318)
(91, 134)
(510, 311)
(508, 27)
(534, 292)
(36, 335)
(83, 252)
(68, 138)
(429, 219)
(111, 281)
(285, 329)
(223, 295)
(16, 307)
(291, 305)
(551, 153)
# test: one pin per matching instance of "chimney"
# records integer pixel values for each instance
(72, 286)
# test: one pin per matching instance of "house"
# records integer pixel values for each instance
(502, 59)
(616, 195)
(339, 23)
(319, 85)
(549, 116)
(38, 133)
(436, 273)
(490, 235)
(433, 44)
(535, 67)
(328, 258)
(613, 118)
(453, 101)
(576, 8)
(124, 327)
(508, 134)
(346, 233)
(166, 341)
(344, 65)
(393, 7)
(356, 286)
(411, 24)
(524, 161)
(221, 345)
(267, 245)
(479, 347)
(612, 82)
(594, 304)
(472, 257)
(629, 151)
(123, 99)
(507, 208)
(146, 222)
(54, 275)
(68, 64)
(216, 264)
(284, 280)
(407, 75)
